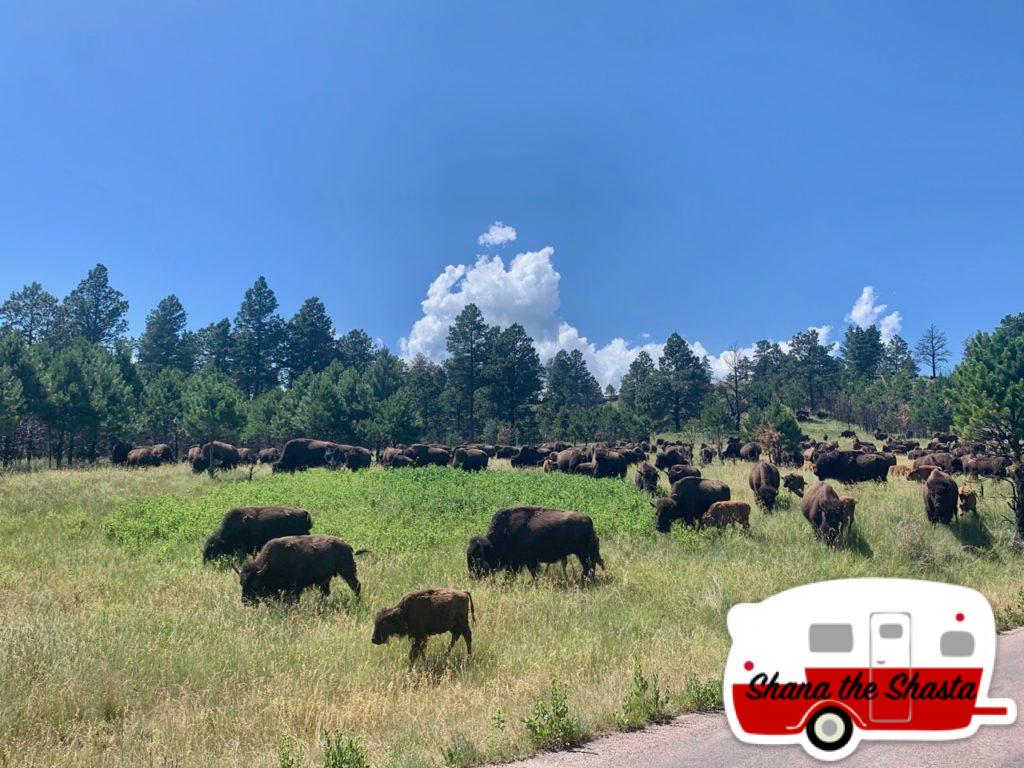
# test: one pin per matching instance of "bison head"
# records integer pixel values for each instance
(481, 557)
(214, 547)
(386, 624)
(766, 497)
(665, 512)
(251, 579)
(832, 521)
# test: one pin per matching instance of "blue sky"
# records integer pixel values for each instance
(730, 171)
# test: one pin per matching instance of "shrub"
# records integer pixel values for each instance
(461, 752)
(550, 726)
(342, 752)
(289, 753)
(645, 702)
(702, 695)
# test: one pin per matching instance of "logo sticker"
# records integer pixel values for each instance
(829, 664)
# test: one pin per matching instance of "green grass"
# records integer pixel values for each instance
(120, 649)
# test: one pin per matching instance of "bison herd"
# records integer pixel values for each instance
(276, 556)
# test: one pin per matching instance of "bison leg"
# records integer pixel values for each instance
(325, 589)
(418, 644)
(353, 582)
(467, 635)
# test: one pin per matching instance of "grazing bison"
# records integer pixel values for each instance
(469, 459)
(608, 463)
(646, 478)
(941, 460)
(428, 612)
(679, 471)
(852, 466)
(400, 462)
(989, 466)
(222, 455)
(920, 474)
(584, 468)
(426, 455)
(288, 565)
(567, 460)
(794, 483)
(764, 482)
(968, 500)
(688, 500)
(750, 452)
(707, 454)
(268, 455)
(826, 513)
(940, 497)
(723, 513)
(672, 455)
(149, 456)
(899, 470)
(119, 452)
(302, 454)
(244, 530)
(731, 449)
(528, 456)
(246, 456)
(525, 537)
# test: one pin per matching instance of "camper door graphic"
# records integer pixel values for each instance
(829, 664)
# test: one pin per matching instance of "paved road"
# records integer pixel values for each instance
(705, 741)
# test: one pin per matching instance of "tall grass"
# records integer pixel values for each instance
(118, 648)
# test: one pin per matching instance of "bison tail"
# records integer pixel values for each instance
(472, 611)
(361, 552)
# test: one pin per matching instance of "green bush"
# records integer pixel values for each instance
(551, 726)
(342, 752)
(461, 752)
(701, 695)
(289, 754)
(645, 702)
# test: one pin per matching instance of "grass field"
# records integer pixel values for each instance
(118, 648)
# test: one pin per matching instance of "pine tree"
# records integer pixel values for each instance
(811, 363)
(259, 332)
(635, 380)
(310, 342)
(425, 384)
(213, 407)
(385, 375)
(29, 312)
(514, 374)
(681, 383)
(164, 407)
(863, 352)
(94, 310)
(165, 343)
(355, 350)
(215, 346)
(470, 342)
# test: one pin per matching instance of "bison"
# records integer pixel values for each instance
(679, 471)
(646, 478)
(968, 500)
(672, 455)
(826, 513)
(222, 455)
(764, 482)
(794, 483)
(852, 466)
(567, 460)
(724, 513)
(528, 456)
(302, 453)
(991, 466)
(268, 455)
(288, 565)
(608, 463)
(244, 530)
(940, 497)
(469, 459)
(525, 537)
(750, 452)
(149, 456)
(428, 612)
(688, 500)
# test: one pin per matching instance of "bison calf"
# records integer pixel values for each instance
(968, 501)
(723, 513)
(794, 483)
(421, 614)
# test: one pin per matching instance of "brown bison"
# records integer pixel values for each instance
(826, 513)
(268, 455)
(302, 453)
(672, 455)
(584, 468)
(646, 478)
(428, 612)
(288, 565)
(222, 455)
(764, 482)
(707, 454)
(149, 456)
(528, 456)
(899, 470)
(119, 452)
(968, 500)
(724, 513)
(525, 537)
(608, 463)
(941, 459)
(568, 459)
(940, 497)
(688, 500)
(679, 471)
(246, 456)
(852, 466)
(750, 452)
(920, 474)
(469, 459)
(989, 466)
(794, 483)
(244, 530)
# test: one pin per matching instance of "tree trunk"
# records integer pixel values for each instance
(1017, 501)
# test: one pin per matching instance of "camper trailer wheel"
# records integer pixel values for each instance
(830, 729)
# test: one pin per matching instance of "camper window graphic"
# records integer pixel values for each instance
(829, 664)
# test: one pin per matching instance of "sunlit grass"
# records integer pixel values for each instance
(120, 649)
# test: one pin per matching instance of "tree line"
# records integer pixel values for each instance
(72, 381)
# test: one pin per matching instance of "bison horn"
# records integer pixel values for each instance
(235, 568)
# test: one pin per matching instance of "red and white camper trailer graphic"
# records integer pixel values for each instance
(829, 664)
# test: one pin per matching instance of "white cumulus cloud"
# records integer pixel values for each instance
(497, 234)
(867, 311)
